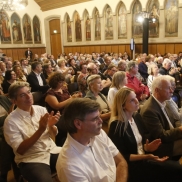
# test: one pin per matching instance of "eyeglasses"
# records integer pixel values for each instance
(96, 119)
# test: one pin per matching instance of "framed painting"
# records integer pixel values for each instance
(16, 29)
(5, 32)
(69, 29)
(171, 18)
(108, 23)
(36, 30)
(153, 8)
(97, 24)
(78, 27)
(87, 27)
(137, 28)
(122, 22)
(27, 29)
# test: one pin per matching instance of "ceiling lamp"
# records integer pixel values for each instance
(13, 5)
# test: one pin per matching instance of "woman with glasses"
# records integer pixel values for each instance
(128, 134)
(10, 77)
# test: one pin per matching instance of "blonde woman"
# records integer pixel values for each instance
(119, 80)
(127, 132)
(153, 72)
(66, 71)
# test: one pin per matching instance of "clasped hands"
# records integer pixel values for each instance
(152, 146)
(48, 120)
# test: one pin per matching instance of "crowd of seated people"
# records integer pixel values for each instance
(100, 77)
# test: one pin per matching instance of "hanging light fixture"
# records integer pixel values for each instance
(13, 5)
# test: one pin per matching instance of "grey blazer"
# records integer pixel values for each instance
(158, 127)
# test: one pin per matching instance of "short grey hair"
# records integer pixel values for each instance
(166, 61)
(91, 78)
(15, 87)
(157, 82)
(130, 65)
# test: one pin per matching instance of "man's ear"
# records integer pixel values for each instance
(13, 101)
(157, 90)
(78, 124)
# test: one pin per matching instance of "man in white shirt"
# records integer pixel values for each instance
(157, 121)
(88, 155)
(36, 78)
(26, 68)
(27, 130)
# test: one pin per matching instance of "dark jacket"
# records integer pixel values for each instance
(34, 83)
(158, 127)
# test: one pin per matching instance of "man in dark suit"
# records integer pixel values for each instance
(28, 53)
(36, 79)
(157, 120)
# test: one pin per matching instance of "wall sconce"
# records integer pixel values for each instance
(55, 31)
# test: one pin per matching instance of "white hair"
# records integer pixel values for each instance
(157, 82)
(166, 61)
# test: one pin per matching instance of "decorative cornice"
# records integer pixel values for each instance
(46, 5)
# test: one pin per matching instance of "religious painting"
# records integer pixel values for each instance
(78, 27)
(27, 29)
(36, 30)
(5, 34)
(171, 18)
(16, 29)
(69, 30)
(87, 26)
(97, 24)
(108, 23)
(137, 28)
(153, 9)
(122, 21)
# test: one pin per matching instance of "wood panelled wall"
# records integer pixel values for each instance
(19, 53)
(153, 48)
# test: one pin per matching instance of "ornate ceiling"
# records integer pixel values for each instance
(53, 4)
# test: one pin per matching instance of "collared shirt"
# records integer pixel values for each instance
(163, 105)
(19, 126)
(25, 69)
(91, 163)
(138, 137)
(39, 79)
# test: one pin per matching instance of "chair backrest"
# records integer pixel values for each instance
(72, 87)
(37, 97)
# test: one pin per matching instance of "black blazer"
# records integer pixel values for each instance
(34, 83)
(124, 138)
(30, 54)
